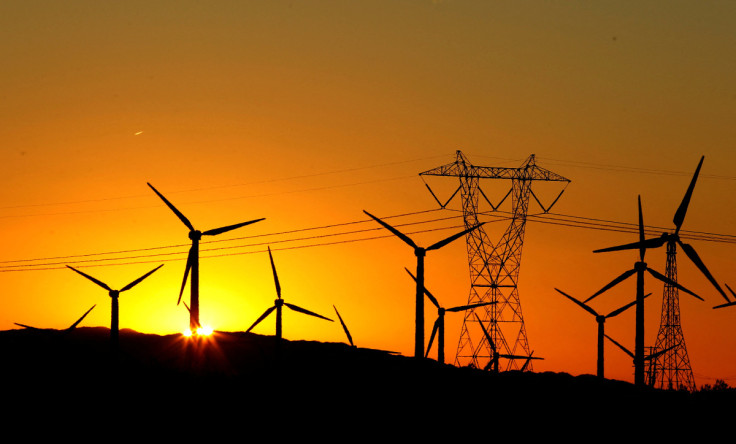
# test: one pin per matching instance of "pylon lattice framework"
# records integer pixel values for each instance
(494, 269)
(671, 370)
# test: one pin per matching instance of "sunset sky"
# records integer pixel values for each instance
(306, 113)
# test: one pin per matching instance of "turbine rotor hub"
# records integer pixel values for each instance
(114, 293)
(279, 302)
(195, 235)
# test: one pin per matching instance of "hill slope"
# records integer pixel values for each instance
(232, 376)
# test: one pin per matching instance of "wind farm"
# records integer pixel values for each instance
(543, 132)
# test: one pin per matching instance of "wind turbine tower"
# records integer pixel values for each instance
(494, 268)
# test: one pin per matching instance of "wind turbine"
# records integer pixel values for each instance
(193, 258)
(639, 268)
(601, 320)
(344, 327)
(420, 252)
(66, 330)
(114, 294)
(439, 324)
(279, 303)
(493, 363)
(646, 358)
(729, 303)
(672, 239)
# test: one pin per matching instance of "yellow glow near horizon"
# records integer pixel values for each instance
(205, 330)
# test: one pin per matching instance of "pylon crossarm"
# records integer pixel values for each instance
(434, 195)
(537, 199)
(442, 205)
(557, 198)
(494, 207)
(461, 168)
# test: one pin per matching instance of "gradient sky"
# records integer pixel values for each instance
(308, 112)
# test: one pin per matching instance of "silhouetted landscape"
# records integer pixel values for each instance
(72, 376)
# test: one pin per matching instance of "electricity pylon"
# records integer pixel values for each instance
(494, 268)
(671, 370)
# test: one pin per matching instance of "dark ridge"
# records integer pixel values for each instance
(236, 376)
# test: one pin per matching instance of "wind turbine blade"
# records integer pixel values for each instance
(732, 292)
(190, 262)
(682, 209)
(654, 242)
(468, 307)
(444, 242)
(487, 335)
(669, 281)
(306, 312)
(74, 325)
(100, 283)
(426, 292)
(528, 360)
(728, 304)
(583, 305)
(618, 311)
(398, 233)
(262, 317)
(642, 249)
(690, 252)
(431, 337)
(626, 350)
(137, 281)
(518, 357)
(27, 326)
(344, 327)
(613, 283)
(221, 230)
(275, 276)
(173, 208)
(190, 312)
(659, 353)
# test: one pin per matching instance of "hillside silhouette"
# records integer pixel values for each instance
(233, 376)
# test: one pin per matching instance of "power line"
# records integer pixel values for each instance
(237, 185)
(94, 259)
(298, 230)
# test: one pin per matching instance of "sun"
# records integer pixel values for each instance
(204, 330)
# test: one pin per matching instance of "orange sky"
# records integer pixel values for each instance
(307, 113)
